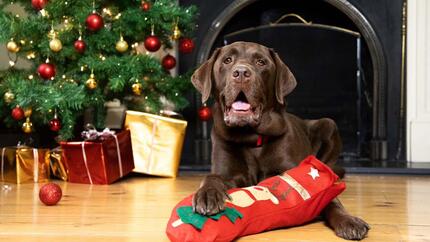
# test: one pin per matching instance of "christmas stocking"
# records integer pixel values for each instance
(293, 198)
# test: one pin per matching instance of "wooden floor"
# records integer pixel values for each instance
(137, 209)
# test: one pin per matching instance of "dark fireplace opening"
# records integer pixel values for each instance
(346, 61)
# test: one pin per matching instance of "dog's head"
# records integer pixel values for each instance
(246, 79)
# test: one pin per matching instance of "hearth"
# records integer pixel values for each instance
(346, 56)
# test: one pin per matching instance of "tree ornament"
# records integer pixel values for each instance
(27, 127)
(137, 88)
(38, 4)
(80, 45)
(205, 113)
(121, 45)
(168, 62)
(94, 22)
(176, 32)
(8, 97)
(55, 124)
(152, 43)
(12, 46)
(46, 70)
(50, 194)
(17, 113)
(55, 45)
(28, 111)
(145, 5)
(186, 45)
(91, 83)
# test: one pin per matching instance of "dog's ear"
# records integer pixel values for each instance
(202, 77)
(285, 81)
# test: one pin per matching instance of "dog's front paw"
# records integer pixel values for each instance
(351, 228)
(209, 200)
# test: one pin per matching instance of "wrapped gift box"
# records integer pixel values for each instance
(101, 161)
(58, 166)
(23, 164)
(157, 142)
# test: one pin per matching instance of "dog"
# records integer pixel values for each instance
(253, 137)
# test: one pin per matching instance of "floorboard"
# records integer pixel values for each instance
(137, 209)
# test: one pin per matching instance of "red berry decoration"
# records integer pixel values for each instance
(46, 71)
(186, 45)
(152, 43)
(80, 46)
(50, 194)
(145, 6)
(205, 113)
(94, 22)
(168, 62)
(38, 4)
(55, 125)
(17, 113)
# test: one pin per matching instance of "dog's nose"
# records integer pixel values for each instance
(241, 72)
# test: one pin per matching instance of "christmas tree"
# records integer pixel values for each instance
(84, 53)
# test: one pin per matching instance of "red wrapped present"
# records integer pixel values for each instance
(100, 161)
(293, 198)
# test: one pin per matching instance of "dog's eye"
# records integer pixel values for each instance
(227, 60)
(261, 62)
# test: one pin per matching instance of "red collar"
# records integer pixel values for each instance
(261, 140)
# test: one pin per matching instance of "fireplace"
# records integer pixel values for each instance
(346, 56)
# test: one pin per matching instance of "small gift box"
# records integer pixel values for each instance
(58, 166)
(157, 142)
(22, 164)
(102, 160)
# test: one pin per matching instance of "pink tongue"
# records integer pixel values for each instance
(241, 106)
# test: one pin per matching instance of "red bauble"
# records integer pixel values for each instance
(205, 113)
(55, 124)
(50, 194)
(152, 43)
(145, 6)
(80, 46)
(186, 45)
(17, 113)
(168, 62)
(38, 4)
(46, 71)
(94, 22)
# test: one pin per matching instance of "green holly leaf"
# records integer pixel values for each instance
(188, 216)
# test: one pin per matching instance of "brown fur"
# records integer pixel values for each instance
(257, 73)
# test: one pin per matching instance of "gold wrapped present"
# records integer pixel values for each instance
(58, 166)
(157, 142)
(24, 165)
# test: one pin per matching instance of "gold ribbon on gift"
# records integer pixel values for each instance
(58, 166)
(24, 165)
(157, 142)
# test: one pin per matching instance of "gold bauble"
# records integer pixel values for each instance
(137, 88)
(27, 127)
(121, 45)
(55, 45)
(12, 46)
(176, 33)
(91, 83)
(31, 55)
(9, 97)
(28, 111)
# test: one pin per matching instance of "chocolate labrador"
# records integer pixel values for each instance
(253, 137)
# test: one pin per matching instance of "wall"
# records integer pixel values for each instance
(418, 81)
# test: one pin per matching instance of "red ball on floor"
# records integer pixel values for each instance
(50, 194)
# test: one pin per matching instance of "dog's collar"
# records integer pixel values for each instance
(261, 140)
